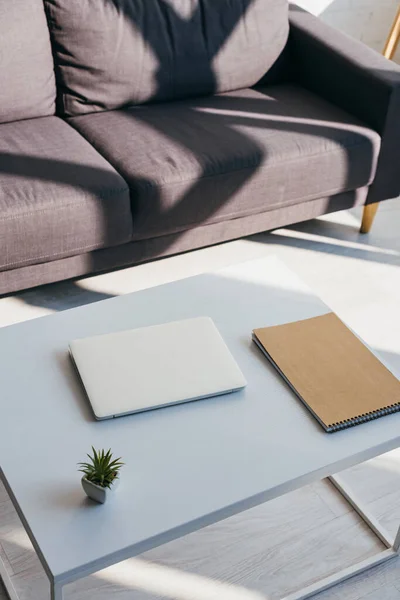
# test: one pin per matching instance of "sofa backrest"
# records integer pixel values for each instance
(27, 86)
(113, 53)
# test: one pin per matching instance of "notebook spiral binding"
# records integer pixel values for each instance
(364, 418)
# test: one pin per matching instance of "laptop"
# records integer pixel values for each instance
(152, 367)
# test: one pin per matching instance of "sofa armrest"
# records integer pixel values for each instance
(356, 78)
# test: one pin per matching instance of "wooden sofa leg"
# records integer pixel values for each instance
(393, 38)
(368, 216)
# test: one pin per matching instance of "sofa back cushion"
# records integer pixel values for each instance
(113, 53)
(27, 86)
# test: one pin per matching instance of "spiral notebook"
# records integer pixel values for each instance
(331, 370)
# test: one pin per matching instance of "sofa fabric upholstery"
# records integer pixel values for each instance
(356, 78)
(112, 53)
(228, 156)
(27, 86)
(58, 196)
(180, 124)
(198, 237)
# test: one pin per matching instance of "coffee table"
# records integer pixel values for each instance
(186, 466)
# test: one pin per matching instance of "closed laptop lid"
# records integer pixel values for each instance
(155, 366)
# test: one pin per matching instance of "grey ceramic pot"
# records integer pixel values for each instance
(96, 492)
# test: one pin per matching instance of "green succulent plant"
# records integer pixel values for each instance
(102, 469)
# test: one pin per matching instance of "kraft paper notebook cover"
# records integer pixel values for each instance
(331, 371)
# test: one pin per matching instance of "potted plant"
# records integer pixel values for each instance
(100, 475)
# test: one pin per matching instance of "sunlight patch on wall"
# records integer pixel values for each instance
(317, 7)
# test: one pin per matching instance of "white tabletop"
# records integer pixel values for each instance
(186, 466)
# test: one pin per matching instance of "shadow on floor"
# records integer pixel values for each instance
(61, 296)
(336, 238)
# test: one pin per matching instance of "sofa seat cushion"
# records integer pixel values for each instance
(58, 195)
(231, 155)
(111, 53)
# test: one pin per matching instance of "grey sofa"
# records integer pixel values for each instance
(134, 129)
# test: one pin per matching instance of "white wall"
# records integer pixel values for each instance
(367, 20)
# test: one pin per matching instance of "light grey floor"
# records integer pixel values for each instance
(273, 549)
